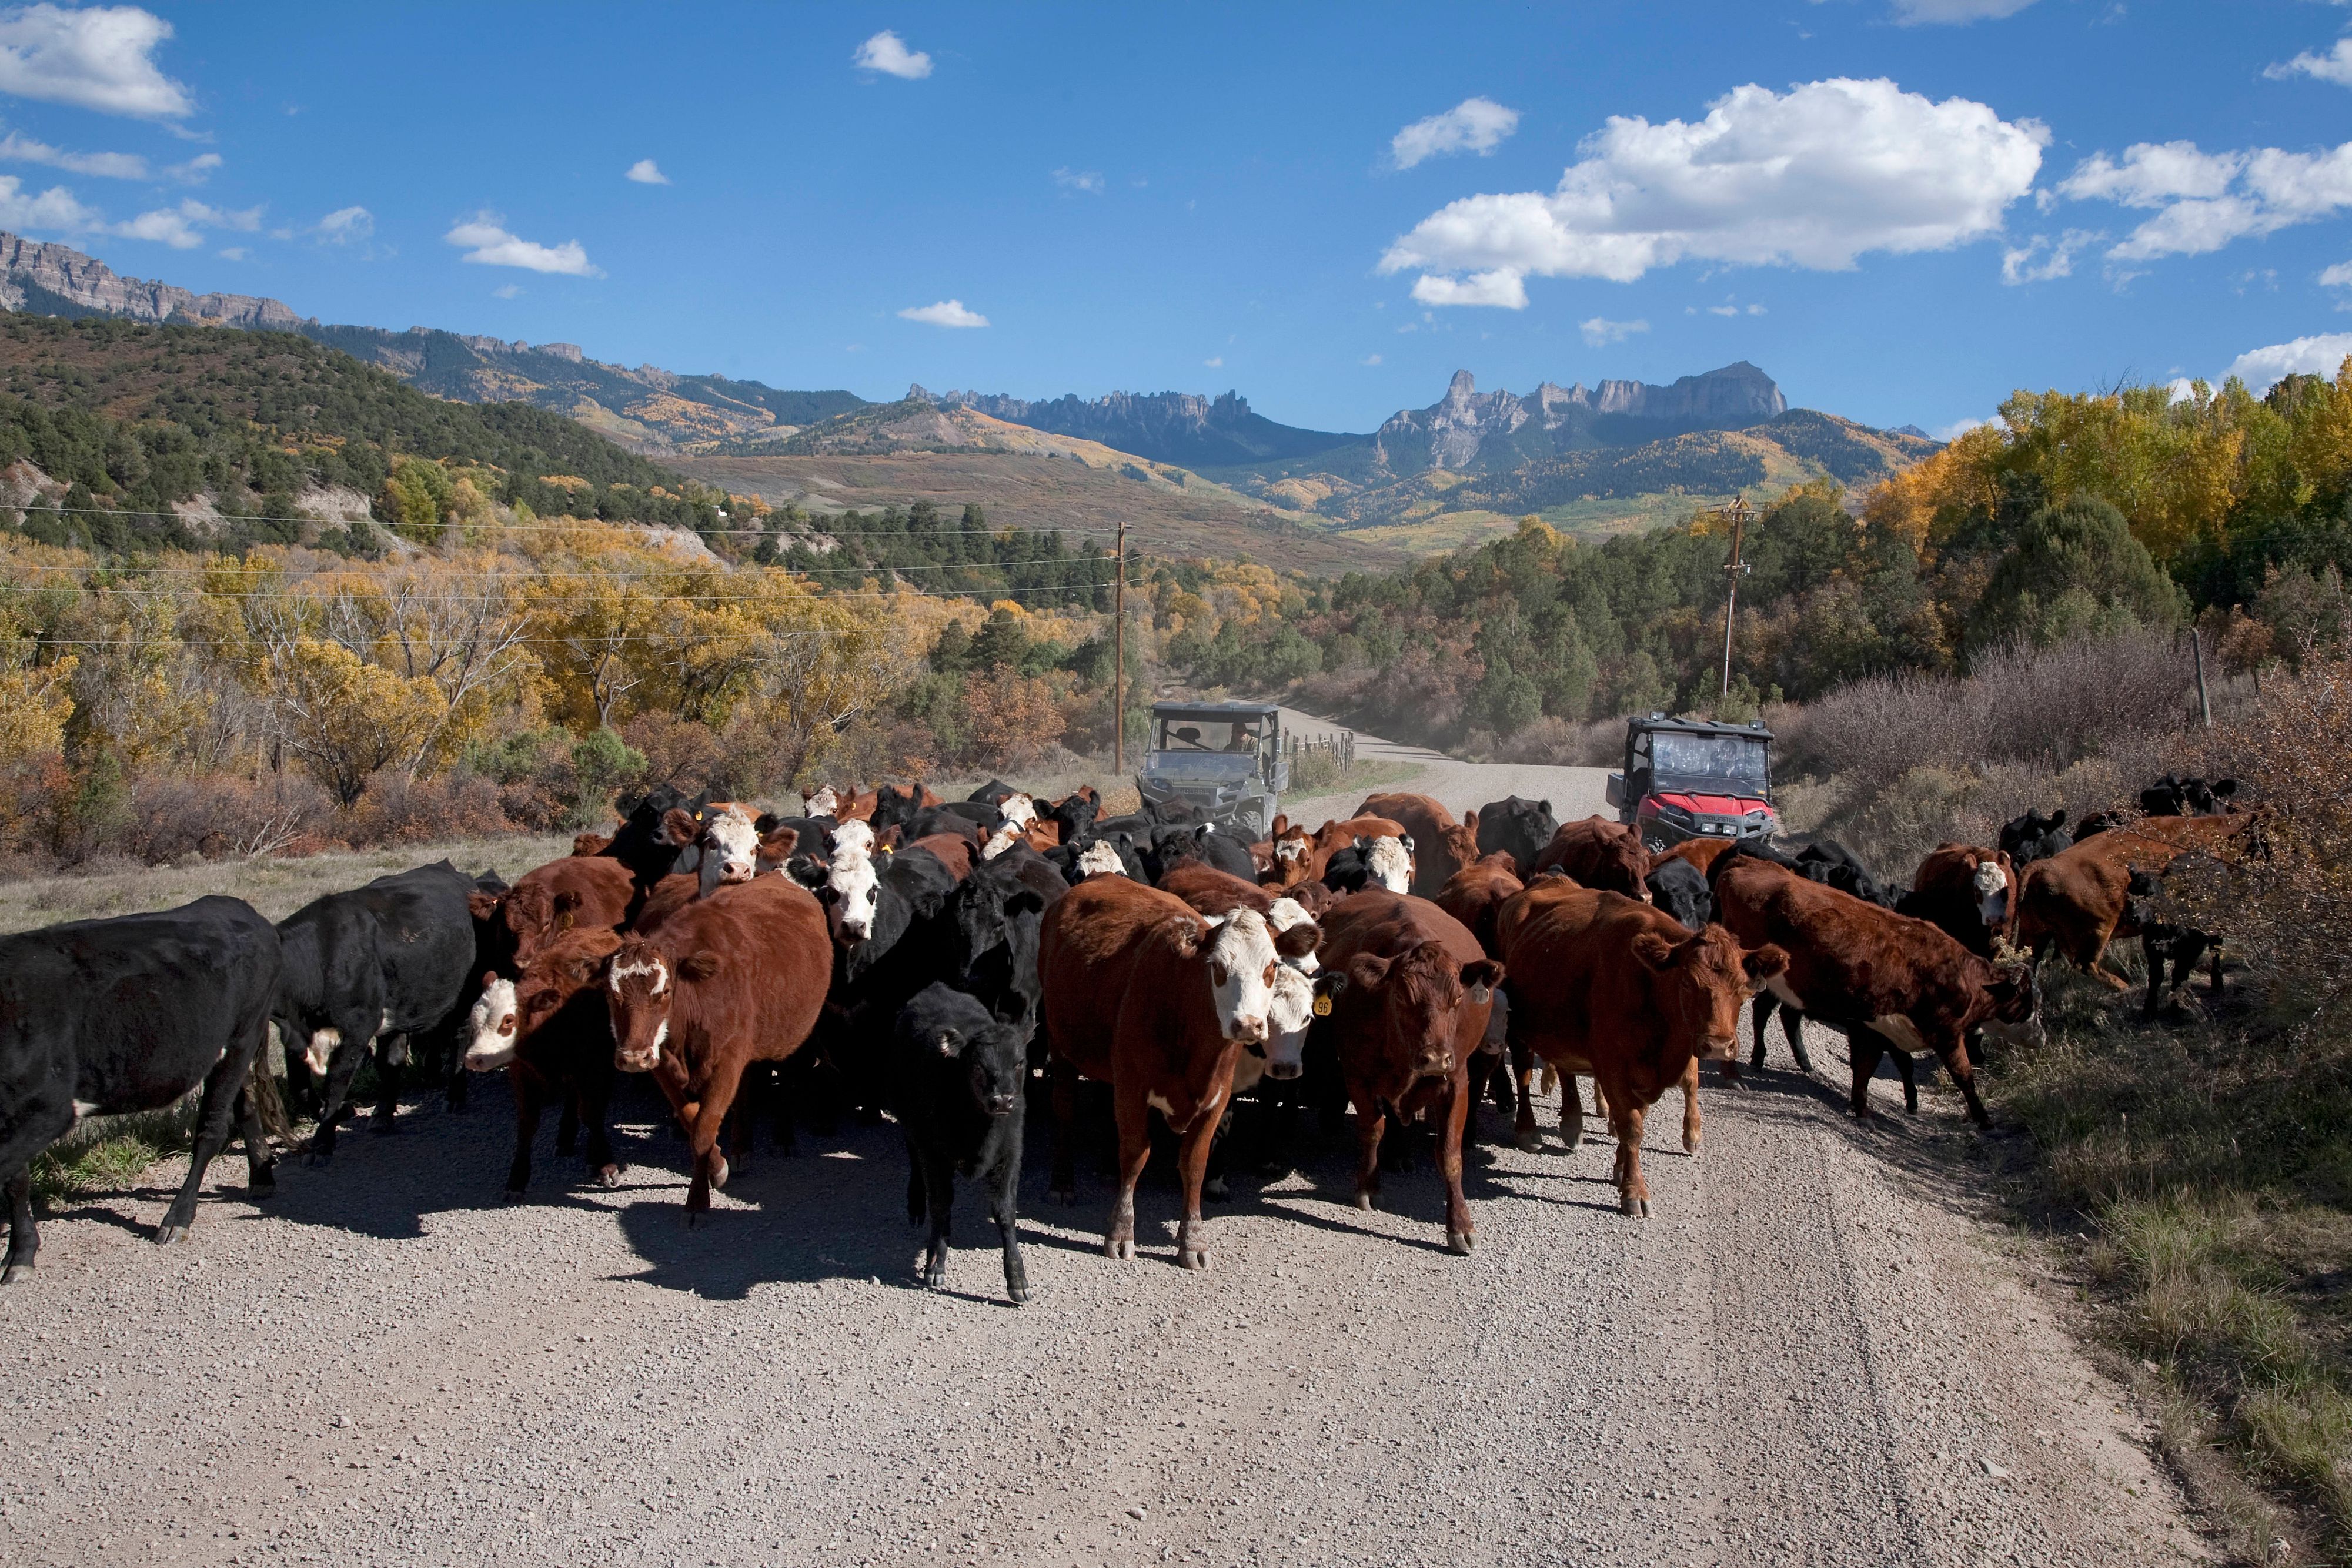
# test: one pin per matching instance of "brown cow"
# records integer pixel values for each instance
(1290, 857)
(1440, 846)
(1967, 892)
(586, 892)
(955, 852)
(730, 979)
(1597, 852)
(1700, 852)
(1158, 1001)
(2078, 900)
(1414, 1013)
(1888, 980)
(1607, 985)
(552, 1030)
(590, 843)
(1472, 896)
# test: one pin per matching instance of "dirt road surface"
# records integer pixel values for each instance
(1818, 1352)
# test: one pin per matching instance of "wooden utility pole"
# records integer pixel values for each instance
(1733, 570)
(1119, 661)
(2197, 653)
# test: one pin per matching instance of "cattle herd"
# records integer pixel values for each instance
(948, 961)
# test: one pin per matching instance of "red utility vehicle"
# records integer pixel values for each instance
(1691, 778)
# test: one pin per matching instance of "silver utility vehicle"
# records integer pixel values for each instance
(1223, 759)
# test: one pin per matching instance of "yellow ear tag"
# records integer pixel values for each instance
(1322, 1007)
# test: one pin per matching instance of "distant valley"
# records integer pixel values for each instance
(1205, 472)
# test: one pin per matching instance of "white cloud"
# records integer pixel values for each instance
(17, 148)
(2337, 276)
(1961, 428)
(347, 226)
(489, 245)
(197, 170)
(2204, 201)
(1815, 178)
(1473, 125)
(2041, 258)
(888, 53)
(2260, 368)
(645, 171)
(1084, 180)
(1215, 362)
(52, 209)
(1601, 332)
(100, 58)
(2334, 66)
(1917, 13)
(1371, 359)
(1500, 287)
(181, 227)
(946, 313)
(507, 291)
(235, 253)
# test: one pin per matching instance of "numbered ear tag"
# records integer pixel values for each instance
(1322, 1007)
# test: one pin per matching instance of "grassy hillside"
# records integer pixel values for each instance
(135, 418)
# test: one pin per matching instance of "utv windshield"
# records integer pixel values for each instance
(1732, 758)
(1237, 736)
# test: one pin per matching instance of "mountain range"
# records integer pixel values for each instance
(1474, 458)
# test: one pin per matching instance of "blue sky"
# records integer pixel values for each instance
(1847, 193)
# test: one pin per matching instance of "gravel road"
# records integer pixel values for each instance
(1819, 1350)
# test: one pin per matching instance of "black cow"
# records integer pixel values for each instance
(2034, 837)
(957, 1077)
(956, 816)
(1680, 889)
(645, 843)
(1831, 865)
(994, 950)
(815, 833)
(894, 803)
(2162, 942)
(1065, 856)
(995, 792)
(2099, 822)
(906, 947)
(1521, 827)
(1074, 813)
(493, 953)
(2173, 796)
(105, 1017)
(393, 959)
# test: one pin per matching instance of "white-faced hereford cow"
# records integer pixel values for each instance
(551, 1031)
(730, 979)
(1603, 985)
(103, 1016)
(381, 962)
(1412, 1015)
(1158, 1001)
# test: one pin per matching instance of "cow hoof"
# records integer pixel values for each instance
(608, 1175)
(719, 1171)
(1364, 1201)
(16, 1274)
(382, 1126)
(258, 1191)
(1629, 1205)
(1690, 1143)
(315, 1157)
(167, 1233)
(1215, 1188)
(1063, 1194)
(1020, 1294)
(1194, 1258)
(1530, 1141)
(514, 1195)
(1460, 1242)
(1120, 1248)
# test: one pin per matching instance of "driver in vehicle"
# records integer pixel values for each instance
(1244, 739)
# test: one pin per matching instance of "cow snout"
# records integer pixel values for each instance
(1283, 1070)
(629, 1060)
(736, 871)
(1247, 1029)
(1000, 1104)
(1434, 1064)
(1719, 1048)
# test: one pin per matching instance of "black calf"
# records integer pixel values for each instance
(957, 1077)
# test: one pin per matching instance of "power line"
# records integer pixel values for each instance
(555, 524)
(869, 569)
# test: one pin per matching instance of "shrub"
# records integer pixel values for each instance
(397, 810)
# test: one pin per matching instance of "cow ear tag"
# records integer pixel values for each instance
(1322, 1007)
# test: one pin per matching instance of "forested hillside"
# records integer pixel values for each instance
(2074, 516)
